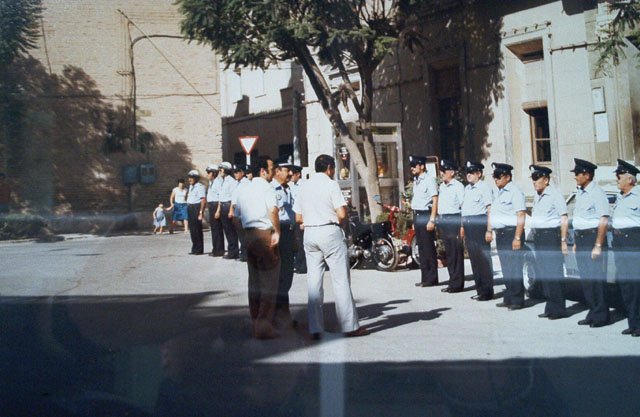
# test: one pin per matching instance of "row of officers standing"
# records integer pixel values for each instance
(474, 213)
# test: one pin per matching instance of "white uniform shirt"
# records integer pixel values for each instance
(477, 197)
(215, 186)
(451, 197)
(507, 203)
(196, 193)
(548, 208)
(229, 184)
(591, 204)
(626, 214)
(255, 200)
(424, 189)
(318, 199)
(179, 195)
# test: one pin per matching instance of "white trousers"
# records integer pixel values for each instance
(328, 244)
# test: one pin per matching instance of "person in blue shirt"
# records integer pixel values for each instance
(425, 209)
(284, 200)
(550, 224)
(507, 218)
(476, 228)
(590, 220)
(196, 202)
(625, 221)
(450, 197)
(229, 184)
(213, 198)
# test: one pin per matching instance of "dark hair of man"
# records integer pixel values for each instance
(323, 162)
(261, 163)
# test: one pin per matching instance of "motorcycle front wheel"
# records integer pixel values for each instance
(385, 255)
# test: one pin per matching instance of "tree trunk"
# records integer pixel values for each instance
(366, 164)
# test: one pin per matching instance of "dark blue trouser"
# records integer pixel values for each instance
(626, 244)
(593, 275)
(195, 228)
(549, 261)
(511, 262)
(449, 229)
(475, 228)
(426, 247)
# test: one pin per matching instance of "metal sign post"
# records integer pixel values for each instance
(248, 143)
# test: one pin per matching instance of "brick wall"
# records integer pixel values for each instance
(81, 89)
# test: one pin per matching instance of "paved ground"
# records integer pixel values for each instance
(132, 324)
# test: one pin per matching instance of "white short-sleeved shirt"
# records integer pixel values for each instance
(213, 192)
(548, 208)
(477, 197)
(626, 214)
(591, 204)
(424, 189)
(317, 200)
(507, 202)
(451, 197)
(255, 200)
(228, 185)
(179, 195)
(196, 193)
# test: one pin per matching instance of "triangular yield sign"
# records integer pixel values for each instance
(247, 143)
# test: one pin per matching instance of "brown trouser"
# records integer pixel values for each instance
(263, 262)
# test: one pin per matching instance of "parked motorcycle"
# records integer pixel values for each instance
(371, 242)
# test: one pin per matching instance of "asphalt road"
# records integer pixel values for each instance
(132, 325)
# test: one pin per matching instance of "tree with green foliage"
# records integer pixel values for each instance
(340, 34)
(19, 28)
(625, 26)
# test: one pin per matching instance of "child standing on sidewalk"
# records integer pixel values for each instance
(159, 219)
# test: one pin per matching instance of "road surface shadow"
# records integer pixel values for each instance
(176, 355)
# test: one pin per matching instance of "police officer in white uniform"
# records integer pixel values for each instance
(450, 197)
(259, 216)
(284, 199)
(626, 243)
(476, 227)
(320, 207)
(590, 220)
(507, 218)
(213, 198)
(424, 204)
(549, 222)
(229, 184)
(239, 173)
(196, 202)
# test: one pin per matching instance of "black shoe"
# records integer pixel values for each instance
(544, 315)
(230, 256)
(598, 324)
(627, 331)
(503, 305)
(484, 298)
(216, 254)
(196, 253)
(636, 333)
(585, 322)
(424, 284)
(515, 307)
(557, 316)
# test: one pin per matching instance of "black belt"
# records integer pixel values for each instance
(321, 225)
(451, 215)
(586, 232)
(475, 215)
(194, 204)
(505, 230)
(422, 211)
(626, 231)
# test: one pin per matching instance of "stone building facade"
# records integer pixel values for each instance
(115, 95)
(501, 81)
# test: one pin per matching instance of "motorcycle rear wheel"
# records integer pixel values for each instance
(385, 255)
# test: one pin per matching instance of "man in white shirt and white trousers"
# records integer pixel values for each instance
(320, 208)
